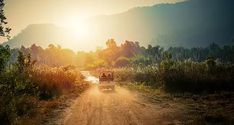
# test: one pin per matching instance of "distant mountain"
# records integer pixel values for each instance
(190, 23)
(41, 34)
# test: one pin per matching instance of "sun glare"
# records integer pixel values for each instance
(78, 26)
(79, 31)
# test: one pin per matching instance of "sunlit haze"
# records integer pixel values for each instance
(70, 14)
(116, 62)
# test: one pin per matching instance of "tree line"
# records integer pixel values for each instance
(127, 53)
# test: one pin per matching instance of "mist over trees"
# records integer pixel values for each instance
(127, 53)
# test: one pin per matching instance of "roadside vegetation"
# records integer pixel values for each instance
(29, 90)
(200, 79)
(34, 78)
(181, 76)
(205, 89)
(174, 70)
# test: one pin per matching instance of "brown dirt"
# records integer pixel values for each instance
(121, 107)
(125, 107)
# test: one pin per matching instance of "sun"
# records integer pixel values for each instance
(79, 27)
(77, 31)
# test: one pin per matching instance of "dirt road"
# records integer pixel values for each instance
(121, 107)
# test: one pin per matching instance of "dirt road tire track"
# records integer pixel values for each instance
(121, 107)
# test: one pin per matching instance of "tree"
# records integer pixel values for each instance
(111, 44)
(122, 62)
(211, 65)
(155, 52)
(4, 31)
(24, 63)
(167, 63)
(130, 49)
(4, 56)
(111, 53)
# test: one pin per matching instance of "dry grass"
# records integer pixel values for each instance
(28, 97)
(57, 80)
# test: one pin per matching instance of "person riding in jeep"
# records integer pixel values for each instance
(106, 79)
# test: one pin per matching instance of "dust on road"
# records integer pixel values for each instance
(119, 107)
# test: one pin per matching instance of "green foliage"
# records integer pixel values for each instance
(4, 56)
(113, 52)
(141, 60)
(210, 65)
(52, 56)
(24, 63)
(189, 76)
(4, 31)
(138, 55)
(17, 91)
(181, 76)
(122, 62)
(140, 74)
(24, 82)
(23, 85)
(167, 63)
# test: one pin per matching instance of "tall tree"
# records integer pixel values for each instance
(4, 56)
(4, 30)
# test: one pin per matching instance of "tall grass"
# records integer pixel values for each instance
(24, 85)
(55, 81)
(181, 76)
(148, 75)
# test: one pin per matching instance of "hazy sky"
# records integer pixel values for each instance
(20, 13)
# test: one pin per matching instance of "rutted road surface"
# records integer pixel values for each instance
(121, 107)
